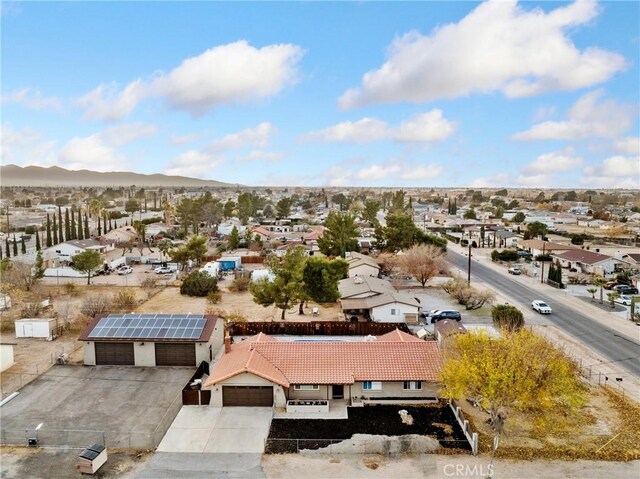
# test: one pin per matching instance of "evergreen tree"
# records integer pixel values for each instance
(60, 237)
(73, 231)
(7, 247)
(67, 228)
(38, 247)
(1, 256)
(23, 246)
(99, 226)
(49, 243)
(54, 228)
(110, 227)
(87, 233)
(15, 246)
(80, 234)
(39, 266)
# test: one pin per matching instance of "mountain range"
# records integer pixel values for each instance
(13, 175)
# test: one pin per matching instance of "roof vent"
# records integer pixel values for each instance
(370, 338)
(358, 280)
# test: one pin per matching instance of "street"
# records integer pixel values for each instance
(615, 347)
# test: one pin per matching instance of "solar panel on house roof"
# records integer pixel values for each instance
(149, 326)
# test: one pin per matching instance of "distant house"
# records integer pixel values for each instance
(263, 233)
(66, 250)
(633, 259)
(536, 247)
(590, 262)
(389, 307)
(362, 265)
(447, 329)
(263, 371)
(124, 234)
(363, 287)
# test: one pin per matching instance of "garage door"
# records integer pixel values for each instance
(175, 354)
(253, 396)
(114, 353)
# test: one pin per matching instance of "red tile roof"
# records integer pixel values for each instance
(395, 356)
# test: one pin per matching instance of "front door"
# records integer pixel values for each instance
(337, 391)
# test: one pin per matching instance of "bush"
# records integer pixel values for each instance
(70, 289)
(125, 300)
(214, 297)
(240, 284)
(150, 286)
(507, 317)
(505, 255)
(32, 310)
(544, 257)
(198, 284)
(95, 305)
(468, 296)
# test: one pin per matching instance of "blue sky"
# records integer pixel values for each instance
(528, 94)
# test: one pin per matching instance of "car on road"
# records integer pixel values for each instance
(515, 270)
(125, 270)
(625, 289)
(445, 314)
(163, 270)
(541, 307)
(624, 299)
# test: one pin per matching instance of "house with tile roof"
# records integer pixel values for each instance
(264, 371)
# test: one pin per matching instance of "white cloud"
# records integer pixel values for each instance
(378, 172)
(588, 117)
(32, 99)
(25, 146)
(184, 139)
(193, 163)
(628, 146)
(260, 155)
(499, 46)
(251, 137)
(232, 73)
(613, 172)
(423, 128)
(127, 133)
(422, 172)
(90, 153)
(497, 180)
(554, 162)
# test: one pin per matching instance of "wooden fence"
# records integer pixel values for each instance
(315, 328)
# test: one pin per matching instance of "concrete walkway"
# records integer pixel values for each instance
(176, 465)
(230, 430)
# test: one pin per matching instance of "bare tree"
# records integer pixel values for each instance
(468, 296)
(20, 275)
(422, 261)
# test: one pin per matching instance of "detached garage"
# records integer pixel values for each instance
(152, 339)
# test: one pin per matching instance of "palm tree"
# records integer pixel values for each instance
(592, 292)
(612, 297)
(599, 282)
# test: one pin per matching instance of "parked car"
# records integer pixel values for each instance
(428, 314)
(624, 299)
(541, 307)
(524, 254)
(515, 270)
(125, 270)
(446, 314)
(610, 285)
(625, 289)
(163, 270)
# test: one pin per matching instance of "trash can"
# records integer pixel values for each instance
(92, 458)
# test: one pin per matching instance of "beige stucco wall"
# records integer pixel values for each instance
(89, 348)
(247, 379)
(323, 392)
(394, 389)
(382, 314)
(144, 354)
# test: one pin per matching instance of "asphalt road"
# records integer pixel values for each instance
(613, 346)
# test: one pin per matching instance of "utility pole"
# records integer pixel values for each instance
(469, 267)
(544, 244)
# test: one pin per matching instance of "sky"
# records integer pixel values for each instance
(380, 94)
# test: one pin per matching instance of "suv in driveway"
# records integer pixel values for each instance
(625, 289)
(163, 270)
(445, 314)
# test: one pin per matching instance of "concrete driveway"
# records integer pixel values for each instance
(231, 430)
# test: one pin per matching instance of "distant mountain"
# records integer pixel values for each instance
(12, 175)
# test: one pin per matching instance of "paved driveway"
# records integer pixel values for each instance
(218, 430)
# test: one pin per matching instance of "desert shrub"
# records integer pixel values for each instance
(240, 284)
(505, 255)
(150, 286)
(507, 317)
(70, 289)
(31, 310)
(544, 257)
(96, 304)
(125, 300)
(198, 284)
(468, 296)
(214, 297)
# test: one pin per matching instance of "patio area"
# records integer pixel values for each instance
(337, 410)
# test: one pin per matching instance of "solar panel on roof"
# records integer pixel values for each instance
(149, 326)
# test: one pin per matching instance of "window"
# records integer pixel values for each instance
(306, 387)
(371, 386)
(394, 312)
(412, 385)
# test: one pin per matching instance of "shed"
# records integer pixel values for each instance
(212, 268)
(228, 263)
(259, 274)
(5, 302)
(92, 459)
(35, 328)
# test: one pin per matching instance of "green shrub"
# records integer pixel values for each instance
(240, 284)
(214, 297)
(507, 317)
(198, 284)
(505, 255)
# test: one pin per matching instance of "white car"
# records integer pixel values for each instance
(624, 299)
(125, 270)
(163, 270)
(541, 307)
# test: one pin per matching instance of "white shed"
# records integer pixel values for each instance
(35, 328)
(6, 355)
(5, 302)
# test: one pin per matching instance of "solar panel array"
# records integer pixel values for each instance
(149, 326)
